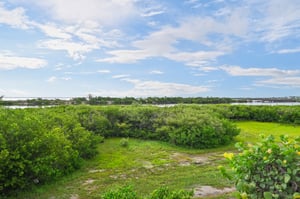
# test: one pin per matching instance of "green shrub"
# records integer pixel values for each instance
(166, 193)
(198, 129)
(125, 192)
(37, 146)
(268, 169)
(124, 142)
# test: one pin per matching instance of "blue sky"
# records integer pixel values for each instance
(141, 48)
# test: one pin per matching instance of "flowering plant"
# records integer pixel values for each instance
(268, 169)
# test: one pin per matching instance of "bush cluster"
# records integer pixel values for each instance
(39, 145)
(281, 114)
(268, 169)
(190, 126)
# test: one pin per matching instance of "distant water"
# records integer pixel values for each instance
(23, 107)
(269, 103)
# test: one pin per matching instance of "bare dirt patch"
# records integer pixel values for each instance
(203, 191)
(187, 159)
(88, 182)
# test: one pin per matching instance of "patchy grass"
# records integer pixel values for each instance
(251, 130)
(147, 165)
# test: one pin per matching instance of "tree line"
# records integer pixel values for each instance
(100, 100)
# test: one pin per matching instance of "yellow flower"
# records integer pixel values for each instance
(284, 161)
(244, 195)
(265, 158)
(269, 151)
(298, 152)
(228, 155)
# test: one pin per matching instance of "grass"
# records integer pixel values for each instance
(251, 130)
(147, 165)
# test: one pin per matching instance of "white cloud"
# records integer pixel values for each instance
(152, 9)
(278, 77)
(103, 71)
(154, 88)
(125, 56)
(157, 72)
(280, 19)
(9, 62)
(281, 81)
(78, 40)
(103, 11)
(286, 51)
(162, 43)
(76, 50)
(200, 58)
(15, 17)
(52, 79)
(152, 13)
(66, 78)
(120, 76)
(52, 30)
(238, 71)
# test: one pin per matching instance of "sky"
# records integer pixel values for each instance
(143, 48)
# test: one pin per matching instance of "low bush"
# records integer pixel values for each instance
(127, 192)
(166, 193)
(268, 169)
(198, 129)
(124, 142)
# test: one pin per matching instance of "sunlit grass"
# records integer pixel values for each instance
(251, 131)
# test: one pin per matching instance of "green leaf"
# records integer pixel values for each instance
(287, 178)
(267, 195)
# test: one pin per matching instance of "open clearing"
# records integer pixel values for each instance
(147, 165)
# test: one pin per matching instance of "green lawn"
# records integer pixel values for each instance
(251, 130)
(147, 165)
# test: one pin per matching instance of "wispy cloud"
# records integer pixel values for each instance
(15, 17)
(278, 77)
(52, 79)
(162, 43)
(155, 88)
(280, 19)
(104, 71)
(238, 71)
(76, 50)
(291, 82)
(120, 76)
(101, 11)
(156, 72)
(287, 51)
(10, 61)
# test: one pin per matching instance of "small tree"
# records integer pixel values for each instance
(268, 169)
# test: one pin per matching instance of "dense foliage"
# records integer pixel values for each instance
(268, 169)
(39, 145)
(127, 192)
(281, 114)
(191, 126)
